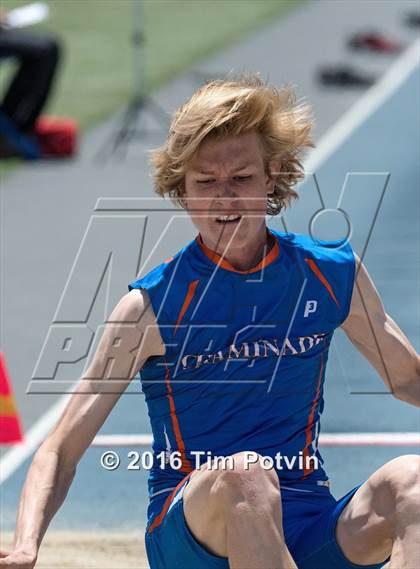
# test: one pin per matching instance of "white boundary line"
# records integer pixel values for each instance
(337, 134)
(33, 438)
(369, 439)
(325, 440)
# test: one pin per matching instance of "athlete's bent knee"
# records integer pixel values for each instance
(247, 475)
(404, 482)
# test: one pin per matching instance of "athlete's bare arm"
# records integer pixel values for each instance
(54, 465)
(381, 340)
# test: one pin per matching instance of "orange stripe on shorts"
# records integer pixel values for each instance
(159, 518)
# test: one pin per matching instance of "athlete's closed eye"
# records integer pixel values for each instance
(242, 178)
(236, 179)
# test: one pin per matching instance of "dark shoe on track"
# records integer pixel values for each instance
(374, 41)
(344, 76)
(412, 19)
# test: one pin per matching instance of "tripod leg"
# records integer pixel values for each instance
(122, 134)
(128, 128)
(158, 111)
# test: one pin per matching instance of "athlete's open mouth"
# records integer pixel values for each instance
(228, 218)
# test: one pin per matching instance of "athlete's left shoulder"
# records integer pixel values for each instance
(328, 267)
(325, 251)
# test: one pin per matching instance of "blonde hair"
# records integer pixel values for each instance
(230, 107)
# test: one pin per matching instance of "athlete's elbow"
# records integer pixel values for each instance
(409, 391)
(405, 381)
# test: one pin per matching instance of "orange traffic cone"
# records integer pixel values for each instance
(10, 429)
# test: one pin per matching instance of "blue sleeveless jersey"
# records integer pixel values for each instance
(246, 353)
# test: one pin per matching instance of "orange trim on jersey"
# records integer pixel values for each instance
(159, 518)
(307, 471)
(168, 260)
(188, 298)
(186, 464)
(222, 262)
(321, 277)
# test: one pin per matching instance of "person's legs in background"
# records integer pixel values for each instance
(38, 56)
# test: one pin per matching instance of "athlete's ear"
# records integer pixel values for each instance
(182, 201)
(182, 198)
(273, 170)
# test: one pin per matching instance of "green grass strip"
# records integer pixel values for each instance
(97, 68)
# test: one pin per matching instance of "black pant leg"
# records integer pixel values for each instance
(27, 94)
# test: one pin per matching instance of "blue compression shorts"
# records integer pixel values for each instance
(309, 521)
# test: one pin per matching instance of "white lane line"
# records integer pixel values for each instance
(143, 440)
(325, 440)
(369, 439)
(33, 438)
(365, 106)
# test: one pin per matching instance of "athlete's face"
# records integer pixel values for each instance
(227, 178)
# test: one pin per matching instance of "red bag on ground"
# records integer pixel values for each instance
(57, 136)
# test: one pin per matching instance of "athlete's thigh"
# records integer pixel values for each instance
(211, 488)
(365, 529)
(313, 541)
(170, 544)
(201, 511)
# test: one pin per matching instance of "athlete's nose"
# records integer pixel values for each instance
(225, 198)
(225, 189)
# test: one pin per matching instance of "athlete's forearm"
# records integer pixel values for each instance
(406, 383)
(391, 353)
(45, 489)
(379, 338)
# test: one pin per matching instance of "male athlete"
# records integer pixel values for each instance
(231, 336)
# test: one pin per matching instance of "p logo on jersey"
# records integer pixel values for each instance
(310, 307)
